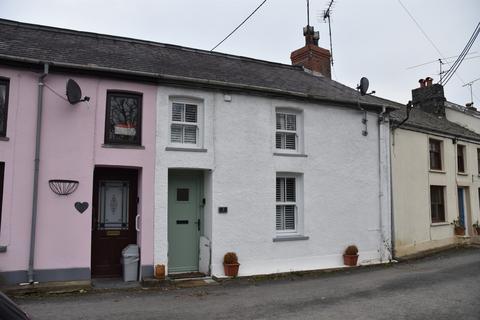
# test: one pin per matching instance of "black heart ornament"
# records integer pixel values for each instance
(81, 206)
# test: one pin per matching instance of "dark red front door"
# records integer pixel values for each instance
(113, 218)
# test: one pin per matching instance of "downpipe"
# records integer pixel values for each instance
(386, 245)
(31, 260)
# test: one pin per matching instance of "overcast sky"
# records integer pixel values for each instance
(372, 38)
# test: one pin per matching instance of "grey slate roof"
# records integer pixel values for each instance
(84, 50)
(420, 120)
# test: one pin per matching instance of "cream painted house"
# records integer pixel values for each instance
(435, 175)
(468, 117)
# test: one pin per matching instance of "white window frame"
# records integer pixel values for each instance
(198, 125)
(298, 129)
(298, 204)
(464, 156)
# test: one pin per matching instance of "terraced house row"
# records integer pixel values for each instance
(191, 154)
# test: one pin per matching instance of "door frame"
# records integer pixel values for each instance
(113, 174)
(465, 191)
(198, 175)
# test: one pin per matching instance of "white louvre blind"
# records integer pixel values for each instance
(286, 204)
(184, 127)
(286, 133)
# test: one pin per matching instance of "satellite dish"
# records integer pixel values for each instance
(74, 93)
(363, 86)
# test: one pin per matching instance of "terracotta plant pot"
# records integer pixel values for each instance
(459, 231)
(350, 260)
(160, 271)
(231, 269)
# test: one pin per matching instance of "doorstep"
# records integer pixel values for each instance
(179, 283)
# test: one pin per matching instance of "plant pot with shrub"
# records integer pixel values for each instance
(230, 264)
(458, 228)
(350, 256)
(476, 225)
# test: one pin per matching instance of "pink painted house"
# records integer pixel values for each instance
(106, 144)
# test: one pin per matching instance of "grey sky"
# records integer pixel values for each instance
(372, 38)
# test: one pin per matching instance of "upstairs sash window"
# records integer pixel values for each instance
(184, 126)
(435, 147)
(286, 136)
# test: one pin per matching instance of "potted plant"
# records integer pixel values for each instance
(458, 227)
(230, 264)
(477, 227)
(350, 256)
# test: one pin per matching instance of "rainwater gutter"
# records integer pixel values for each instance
(31, 260)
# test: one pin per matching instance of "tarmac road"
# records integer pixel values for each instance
(442, 286)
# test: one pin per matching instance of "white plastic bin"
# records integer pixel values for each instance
(130, 258)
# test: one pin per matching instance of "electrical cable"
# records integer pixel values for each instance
(428, 38)
(251, 14)
(461, 57)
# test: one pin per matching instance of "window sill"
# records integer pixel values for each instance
(123, 146)
(4, 139)
(290, 238)
(438, 224)
(462, 174)
(185, 149)
(285, 154)
(3, 249)
(437, 171)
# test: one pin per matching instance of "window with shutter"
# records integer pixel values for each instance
(286, 136)
(184, 126)
(286, 208)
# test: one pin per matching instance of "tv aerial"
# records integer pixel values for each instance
(74, 93)
(326, 17)
(470, 104)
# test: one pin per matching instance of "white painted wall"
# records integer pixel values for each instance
(469, 121)
(341, 183)
(412, 178)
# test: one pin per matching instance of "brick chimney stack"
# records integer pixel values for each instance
(311, 56)
(429, 97)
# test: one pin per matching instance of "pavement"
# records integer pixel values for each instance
(442, 286)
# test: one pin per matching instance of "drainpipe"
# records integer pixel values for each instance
(383, 160)
(35, 174)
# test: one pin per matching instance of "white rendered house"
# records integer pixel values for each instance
(277, 163)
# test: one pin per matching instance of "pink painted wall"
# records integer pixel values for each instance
(71, 146)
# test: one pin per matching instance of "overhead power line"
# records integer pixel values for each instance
(428, 38)
(420, 28)
(251, 14)
(462, 55)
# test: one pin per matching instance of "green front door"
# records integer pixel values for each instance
(184, 203)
